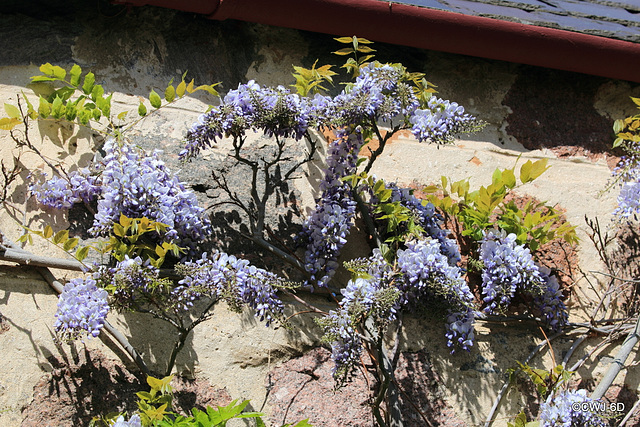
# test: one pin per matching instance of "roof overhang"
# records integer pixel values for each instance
(432, 29)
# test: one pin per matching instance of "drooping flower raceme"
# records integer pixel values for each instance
(234, 280)
(82, 310)
(552, 309)
(325, 231)
(427, 273)
(138, 184)
(440, 121)
(628, 172)
(63, 193)
(361, 299)
(377, 94)
(131, 282)
(571, 409)
(508, 267)
(273, 111)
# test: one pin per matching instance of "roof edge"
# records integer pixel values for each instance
(433, 29)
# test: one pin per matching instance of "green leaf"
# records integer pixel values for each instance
(142, 110)
(75, 75)
(53, 71)
(33, 114)
(344, 39)
(70, 111)
(538, 168)
(60, 237)
(70, 244)
(122, 115)
(170, 93)
(155, 100)
(82, 252)
(89, 81)
(365, 49)
(508, 178)
(12, 111)
(44, 108)
(343, 51)
(48, 232)
(104, 104)
(208, 88)
(525, 172)
(97, 93)
(8, 123)
(180, 90)
(57, 108)
(38, 79)
(84, 116)
(118, 230)
(495, 178)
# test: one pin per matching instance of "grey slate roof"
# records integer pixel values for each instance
(618, 19)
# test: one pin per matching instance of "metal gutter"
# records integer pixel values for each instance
(431, 29)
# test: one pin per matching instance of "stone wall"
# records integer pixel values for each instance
(532, 113)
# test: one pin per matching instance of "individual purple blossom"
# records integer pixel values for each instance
(427, 273)
(234, 280)
(82, 309)
(508, 267)
(134, 421)
(571, 409)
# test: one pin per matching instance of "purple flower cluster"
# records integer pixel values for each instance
(82, 309)
(428, 219)
(361, 298)
(234, 280)
(274, 111)
(63, 193)
(550, 304)
(427, 274)
(325, 231)
(379, 93)
(138, 184)
(440, 120)
(628, 200)
(507, 268)
(565, 409)
(129, 281)
(628, 172)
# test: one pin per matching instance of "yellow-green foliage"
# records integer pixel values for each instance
(479, 210)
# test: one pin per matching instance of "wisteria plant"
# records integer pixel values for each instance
(149, 216)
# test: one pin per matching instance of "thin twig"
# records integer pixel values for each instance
(629, 414)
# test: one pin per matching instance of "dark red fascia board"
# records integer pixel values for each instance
(431, 29)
